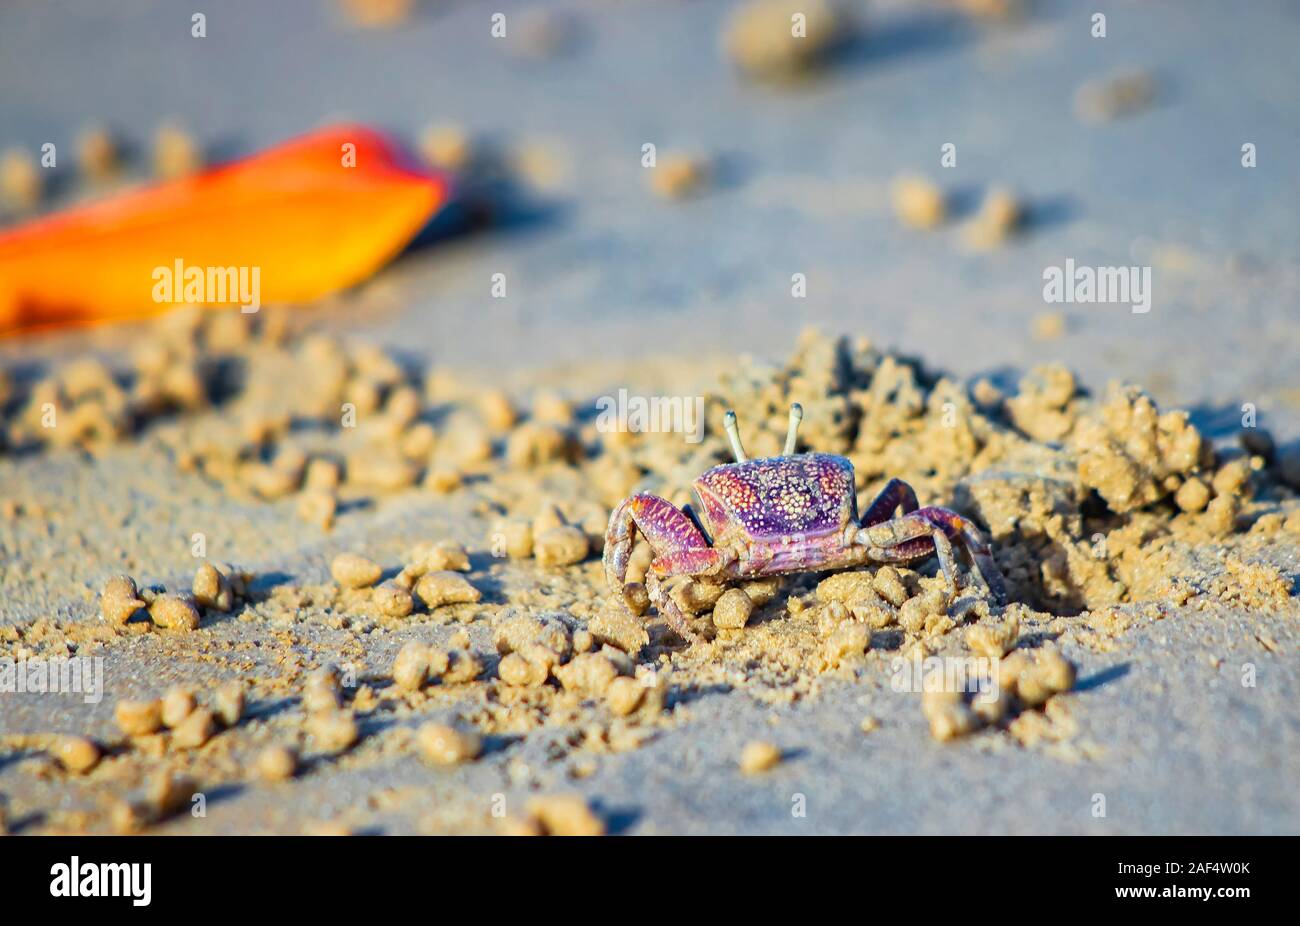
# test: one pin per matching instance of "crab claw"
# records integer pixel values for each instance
(679, 547)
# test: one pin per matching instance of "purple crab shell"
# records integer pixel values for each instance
(809, 494)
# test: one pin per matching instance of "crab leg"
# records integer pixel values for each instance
(665, 526)
(894, 495)
(678, 545)
(710, 561)
(968, 535)
(981, 556)
(943, 551)
(908, 539)
(897, 541)
(665, 605)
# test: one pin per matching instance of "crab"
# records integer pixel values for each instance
(793, 513)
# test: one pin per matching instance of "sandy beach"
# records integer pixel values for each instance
(1135, 467)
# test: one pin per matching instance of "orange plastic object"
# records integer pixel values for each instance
(304, 219)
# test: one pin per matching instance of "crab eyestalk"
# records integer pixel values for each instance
(733, 435)
(792, 434)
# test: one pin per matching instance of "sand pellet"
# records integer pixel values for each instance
(1233, 477)
(321, 691)
(521, 826)
(351, 570)
(194, 730)
(948, 714)
(620, 660)
(333, 731)
(698, 595)
(759, 756)
(439, 662)
(1192, 496)
(20, 180)
(118, 600)
(211, 590)
(1034, 676)
(174, 612)
(552, 408)
(177, 704)
(1047, 387)
(539, 656)
(167, 793)
(228, 332)
(138, 718)
(917, 613)
(228, 703)
(583, 641)
(1055, 671)
(624, 695)
(175, 153)
(998, 218)
(1220, 516)
(276, 763)
(534, 443)
(918, 203)
(545, 164)
(549, 516)
(318, 507)
(446, 146)
(676, 176)
(444, 745)
(128, 817)
(498, 411)
(830, 617)
(513, 537)
(760, 38)
(993, 640)
(1048, 326)
(402, 407)
(636, 597)
(615, 626)
(733, 609)
(411, 667)
(515, 670)
(762, 591)
(77, 753)
(329, 828)
(436, 589)
(565, 815)
(442, 479)
(993, 707)
(466, 446)
(847, 641)
(439, 557)
(587, 674)
(377, 14)
(322, 475)
(515, 628)
(270, 482)
(392, 600)
(462, 666)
